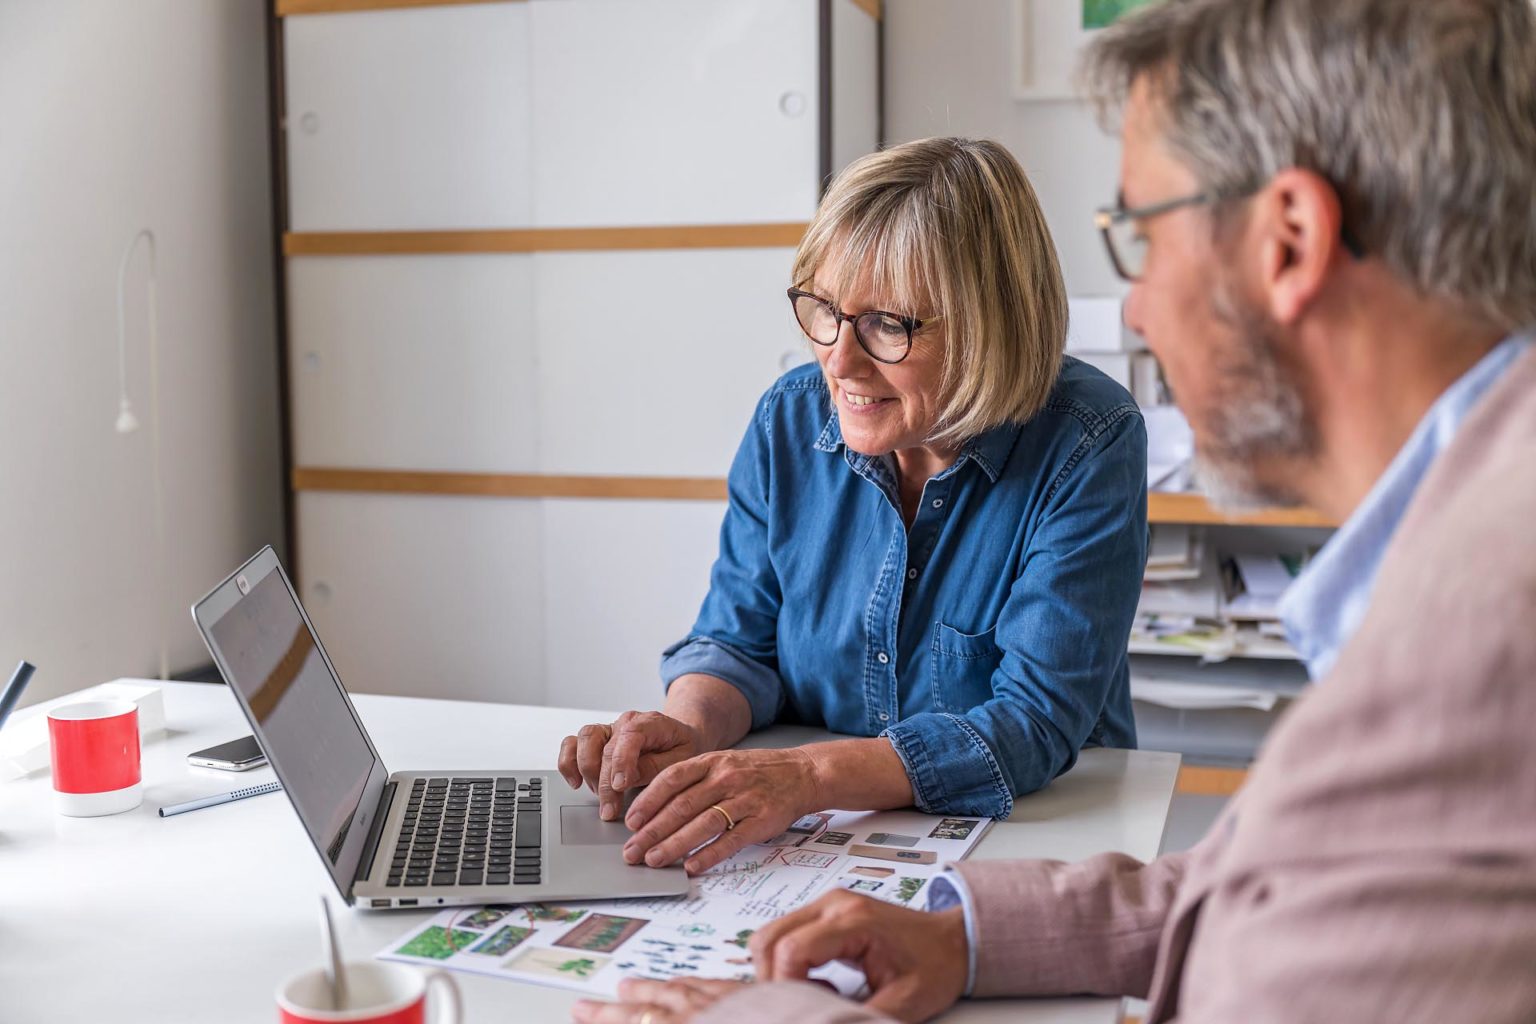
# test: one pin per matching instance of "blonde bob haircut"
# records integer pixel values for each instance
(950, 230)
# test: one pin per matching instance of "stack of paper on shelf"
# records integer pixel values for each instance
(1183, 585)
(1257, 584)
(1200, 696)
(1174, 552)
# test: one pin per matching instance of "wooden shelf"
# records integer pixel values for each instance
(1163, 507)
(1207, 780)
(286, 8)
(687, 236)
(508, 485)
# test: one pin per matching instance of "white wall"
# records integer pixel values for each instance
(118, 116)
(948, 72)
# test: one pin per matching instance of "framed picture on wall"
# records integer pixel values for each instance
(1048, 39)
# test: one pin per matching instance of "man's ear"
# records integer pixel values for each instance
(1298, 219)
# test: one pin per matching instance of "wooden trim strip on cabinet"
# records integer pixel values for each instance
(1207, 780)
(508, 485)
(687, 236)
(870, 7)
(285, 8)
(1163, 507)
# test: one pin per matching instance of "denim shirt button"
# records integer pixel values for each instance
(883, 658)
(911, 574)
(884, 717)
(938, 502)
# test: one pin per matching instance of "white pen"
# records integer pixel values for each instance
(221, 798)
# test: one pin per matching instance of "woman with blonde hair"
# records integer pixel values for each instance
(934, 540)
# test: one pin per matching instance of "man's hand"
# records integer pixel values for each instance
(655, 1002)
(758, 793)
(916, 962)
(630, 752)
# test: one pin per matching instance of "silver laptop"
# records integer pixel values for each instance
(402, 839)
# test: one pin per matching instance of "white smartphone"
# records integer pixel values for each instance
(239, 755)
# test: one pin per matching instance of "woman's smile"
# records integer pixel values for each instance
(856, 404)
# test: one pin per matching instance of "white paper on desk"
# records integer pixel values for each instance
(591, 946)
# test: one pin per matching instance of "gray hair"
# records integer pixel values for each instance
(1421, 113)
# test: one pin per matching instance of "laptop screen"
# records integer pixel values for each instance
(300, 714)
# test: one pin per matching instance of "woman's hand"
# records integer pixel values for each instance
(916, 962)
(655, 1002)
(630, 752)
(733, 797)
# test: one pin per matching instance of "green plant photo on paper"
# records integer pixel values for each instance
(1099, 13)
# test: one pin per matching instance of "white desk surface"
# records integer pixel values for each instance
(197, 917)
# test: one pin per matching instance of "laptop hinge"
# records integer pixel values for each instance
(375, 831)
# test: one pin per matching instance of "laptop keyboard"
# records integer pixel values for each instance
(470, 832)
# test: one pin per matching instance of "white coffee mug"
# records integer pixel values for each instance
(376, 993)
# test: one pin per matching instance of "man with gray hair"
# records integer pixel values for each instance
(1328, 211)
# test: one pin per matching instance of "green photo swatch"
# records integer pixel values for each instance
(434, 943)
(485, 917)
(1099, 13)
(503, 941)
(545, 912)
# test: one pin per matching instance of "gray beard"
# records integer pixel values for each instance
(1262, 417)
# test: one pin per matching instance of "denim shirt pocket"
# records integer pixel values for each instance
(963, 664)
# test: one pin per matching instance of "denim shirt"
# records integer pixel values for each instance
(987, 642)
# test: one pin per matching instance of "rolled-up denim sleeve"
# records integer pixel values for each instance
(736, 635)
(1063, 634)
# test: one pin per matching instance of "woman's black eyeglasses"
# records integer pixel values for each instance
(887, 337)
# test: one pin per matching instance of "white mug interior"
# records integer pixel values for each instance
(373, 989)
(89, 710)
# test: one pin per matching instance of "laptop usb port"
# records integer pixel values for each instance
(378, 903)
(407, 903)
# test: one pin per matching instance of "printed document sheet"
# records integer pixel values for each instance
(592, 945)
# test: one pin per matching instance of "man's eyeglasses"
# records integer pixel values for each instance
(1128, 246)
(1120, 226)
(887, 337)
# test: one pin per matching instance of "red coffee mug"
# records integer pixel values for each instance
(376, 994)
(95, 751)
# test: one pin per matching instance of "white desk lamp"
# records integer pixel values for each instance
(127, 422)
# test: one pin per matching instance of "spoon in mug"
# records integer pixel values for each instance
(332, 949)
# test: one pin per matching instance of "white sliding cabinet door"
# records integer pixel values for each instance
(408, 119)
(429, 596)
(414, 362)
(623, 580)
(650, 363)
(674, 111)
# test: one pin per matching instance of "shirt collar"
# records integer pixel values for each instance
(1327, 602)
(988, 450)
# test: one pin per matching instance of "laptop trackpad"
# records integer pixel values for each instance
(580, 826)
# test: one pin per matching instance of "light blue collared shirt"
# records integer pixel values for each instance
(1322, 609)
(1324, 606)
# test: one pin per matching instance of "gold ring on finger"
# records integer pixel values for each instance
(729, 822)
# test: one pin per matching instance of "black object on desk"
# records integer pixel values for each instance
(12, 692)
